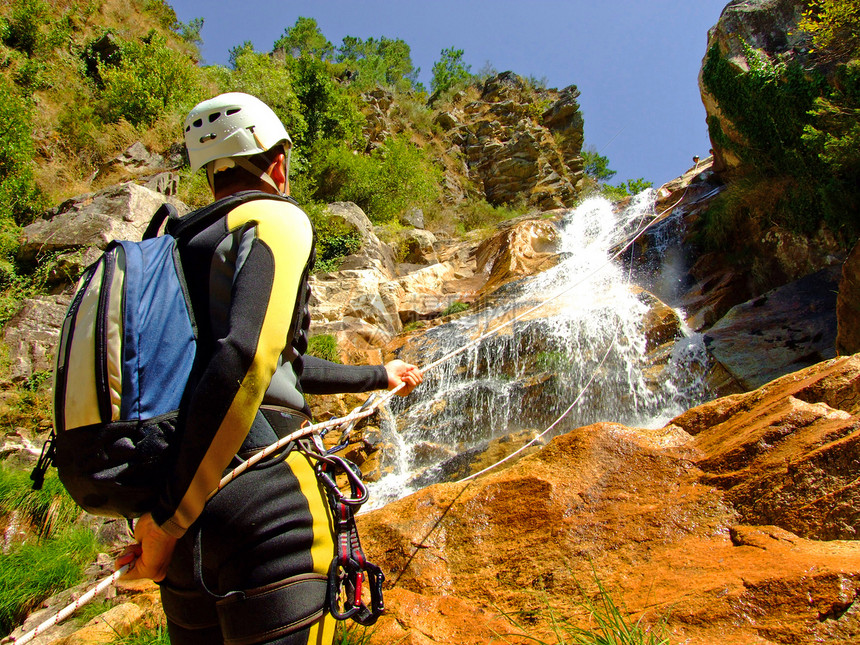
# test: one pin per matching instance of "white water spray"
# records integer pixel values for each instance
(524, 377)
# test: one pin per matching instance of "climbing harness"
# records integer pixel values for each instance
(349, 567)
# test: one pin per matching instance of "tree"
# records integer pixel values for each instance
(305, 39)
(596, 165)
(385, 61)
(449, 70)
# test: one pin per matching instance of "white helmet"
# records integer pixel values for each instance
(229, 127)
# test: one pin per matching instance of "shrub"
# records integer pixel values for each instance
(324, 346)
(393, 178)
(24, 29)
(150, 79)
(20, 200)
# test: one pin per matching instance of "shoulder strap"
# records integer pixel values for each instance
(165, 211)
(204, 217)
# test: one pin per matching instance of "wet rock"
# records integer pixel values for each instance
(523, 247)
(782, 331)
(711, 533)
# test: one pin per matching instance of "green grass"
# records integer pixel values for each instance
(324, 346)
(34, 571)
(609, 624)
(350, 633)
(48, 510)
(145, 635)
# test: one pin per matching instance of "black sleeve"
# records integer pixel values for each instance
(324, 377)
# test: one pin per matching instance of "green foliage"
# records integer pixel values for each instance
(150, 79)
(324, 346)
(479, 214)
(32, 572)
(25, 28)
(596, 165)
(334, 239)
(455, 307)
(796, 128)
(768, 105)
(383, 61)
(20, 200)
(330, 112)
(625, 189)
(305, 39)
(393, 178)
(449, 70)
(834, 26)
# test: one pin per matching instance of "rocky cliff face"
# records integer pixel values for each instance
(516, 142)
(769, 26)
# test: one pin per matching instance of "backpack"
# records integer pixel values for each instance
(126, 354)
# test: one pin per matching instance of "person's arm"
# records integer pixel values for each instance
(320, 376)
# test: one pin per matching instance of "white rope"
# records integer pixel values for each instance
(70, 609)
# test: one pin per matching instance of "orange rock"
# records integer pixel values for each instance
(727, 535)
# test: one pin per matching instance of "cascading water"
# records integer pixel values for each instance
(526, 375)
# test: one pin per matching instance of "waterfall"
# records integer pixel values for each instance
(519, 380)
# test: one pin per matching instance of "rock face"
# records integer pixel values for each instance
(93, 220)
(779, 332)
(848, 305)
(766, 25)
(734, 524)
(519, 142)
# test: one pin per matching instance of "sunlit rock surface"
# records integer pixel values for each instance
(731, 523)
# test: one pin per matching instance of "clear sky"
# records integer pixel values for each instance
(635, 62)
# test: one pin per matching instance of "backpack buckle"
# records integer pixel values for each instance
(46, 458)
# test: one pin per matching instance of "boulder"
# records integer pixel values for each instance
(522, 247)
(366, 295)
(418, 247)
(32, 335)
(782, 331)
(666, 520)
(94, 220)
(373, 253)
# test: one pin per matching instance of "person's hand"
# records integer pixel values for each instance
(151, 555)
(402, 372)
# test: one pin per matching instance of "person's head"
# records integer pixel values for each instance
(241, 142)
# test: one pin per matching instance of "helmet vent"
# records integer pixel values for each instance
(233, 111)
(208, 137)
(214, 117)
(198, 123)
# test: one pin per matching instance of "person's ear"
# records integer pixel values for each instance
(277, 171)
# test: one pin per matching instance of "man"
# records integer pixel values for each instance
(249, 564)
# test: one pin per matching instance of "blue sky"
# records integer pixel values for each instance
(635, 63)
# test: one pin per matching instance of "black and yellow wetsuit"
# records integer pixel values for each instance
(251, 562)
